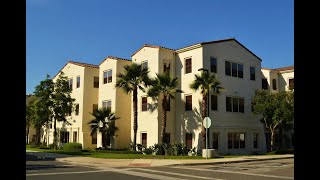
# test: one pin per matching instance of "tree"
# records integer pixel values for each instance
(134, 77)
(104, 123)
(62, 104)
(30, 114)
(205, 82)
(163, 86)
(276, 109)
(41, 109)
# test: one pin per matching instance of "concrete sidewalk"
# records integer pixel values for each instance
(100, 162)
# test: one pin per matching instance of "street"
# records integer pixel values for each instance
(257, 170)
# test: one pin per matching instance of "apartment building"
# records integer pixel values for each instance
(83, 78)
(277, 80)
(234, 129)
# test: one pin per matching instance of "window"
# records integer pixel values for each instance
(168, 104)
(291, 84)
(228, 68)
(75, 135)
(77, 109)
(96, 82)
(144, 103)
(107, 76)
(78, 81)
(189, 141)
(234, 104)
(144, 139)
(255, 140)
(274, 84)
(167, 138)
(94, 138)
(215, 140)
(94, 107)
(106, 104)
(252, 73)
(144, 65)
(189, 103)
(64, 136)
(213, 65)
(240, 70)
(233, 69)
(70, 82)
(214, 102)
(50, 125)
(188, 65)
(236, 140)
(265, 84)
(228, 104)
(166, 67)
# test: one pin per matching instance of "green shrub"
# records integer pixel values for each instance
(72, 147)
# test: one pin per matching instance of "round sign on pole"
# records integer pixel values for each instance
(206, 122)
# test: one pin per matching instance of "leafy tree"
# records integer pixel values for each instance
(276, 109)
(205, 82)
(62, 104)
(163, 86)
(30, 113)
(134, 77)
(104, 123)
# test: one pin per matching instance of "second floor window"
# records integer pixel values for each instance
(70, 81)
(233, 69)
(107, 76)
(213, 65)
(94, 107)
(188, 66)
(214, 102)
(106, 104)
(78, 81)
(77, 109)
(189, 103)
(166, 67)
(274, 84)
(291, 84)
(265, 84)
(96, 82)
(144, 65)
(144, 103)
(234, 104)
(252, 73)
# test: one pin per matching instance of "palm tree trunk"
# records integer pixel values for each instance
(135, 117)
(104, 140)
(55, 137)
(204, 112)
(164, 119)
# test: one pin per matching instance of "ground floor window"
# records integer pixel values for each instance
(255, 140)
(236, 140)
(144, 139)
(189, 140)
(75, 135)
(215, 140)
(167, 138)
(94, 138)
(64, 136)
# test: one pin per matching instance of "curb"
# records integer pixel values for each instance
(38, 158)
(226, 162)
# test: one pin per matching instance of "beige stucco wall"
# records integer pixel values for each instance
(284, 77)
(120, 102)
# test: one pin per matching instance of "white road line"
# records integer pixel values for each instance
(178, 174)
(151, 176)
(232, 172)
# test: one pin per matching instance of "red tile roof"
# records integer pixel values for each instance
(151, 46)
(78, 64)
(284, 68)
(116, 58)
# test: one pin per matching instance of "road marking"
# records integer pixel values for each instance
(151, 176)
(232, 172)
(178, 174)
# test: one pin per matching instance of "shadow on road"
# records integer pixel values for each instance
(43, 166)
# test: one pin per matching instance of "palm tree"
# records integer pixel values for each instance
(103, 122)
(163, 85)
(134, 78)
(205, 82)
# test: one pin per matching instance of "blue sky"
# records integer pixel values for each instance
(90, 30)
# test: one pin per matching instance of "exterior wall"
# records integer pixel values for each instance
(120, 103)
(188, 121)
(147, 120)
(284, 80)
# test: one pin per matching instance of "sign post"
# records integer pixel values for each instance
(207, 124)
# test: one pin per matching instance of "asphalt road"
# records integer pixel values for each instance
(261, 170)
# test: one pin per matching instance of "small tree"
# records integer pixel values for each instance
(30, 115)
(104, 123)
(276, 110)
(163, 85)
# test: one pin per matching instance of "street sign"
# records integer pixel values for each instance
(206, 122)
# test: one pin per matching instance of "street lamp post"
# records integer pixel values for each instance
(206, 70)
